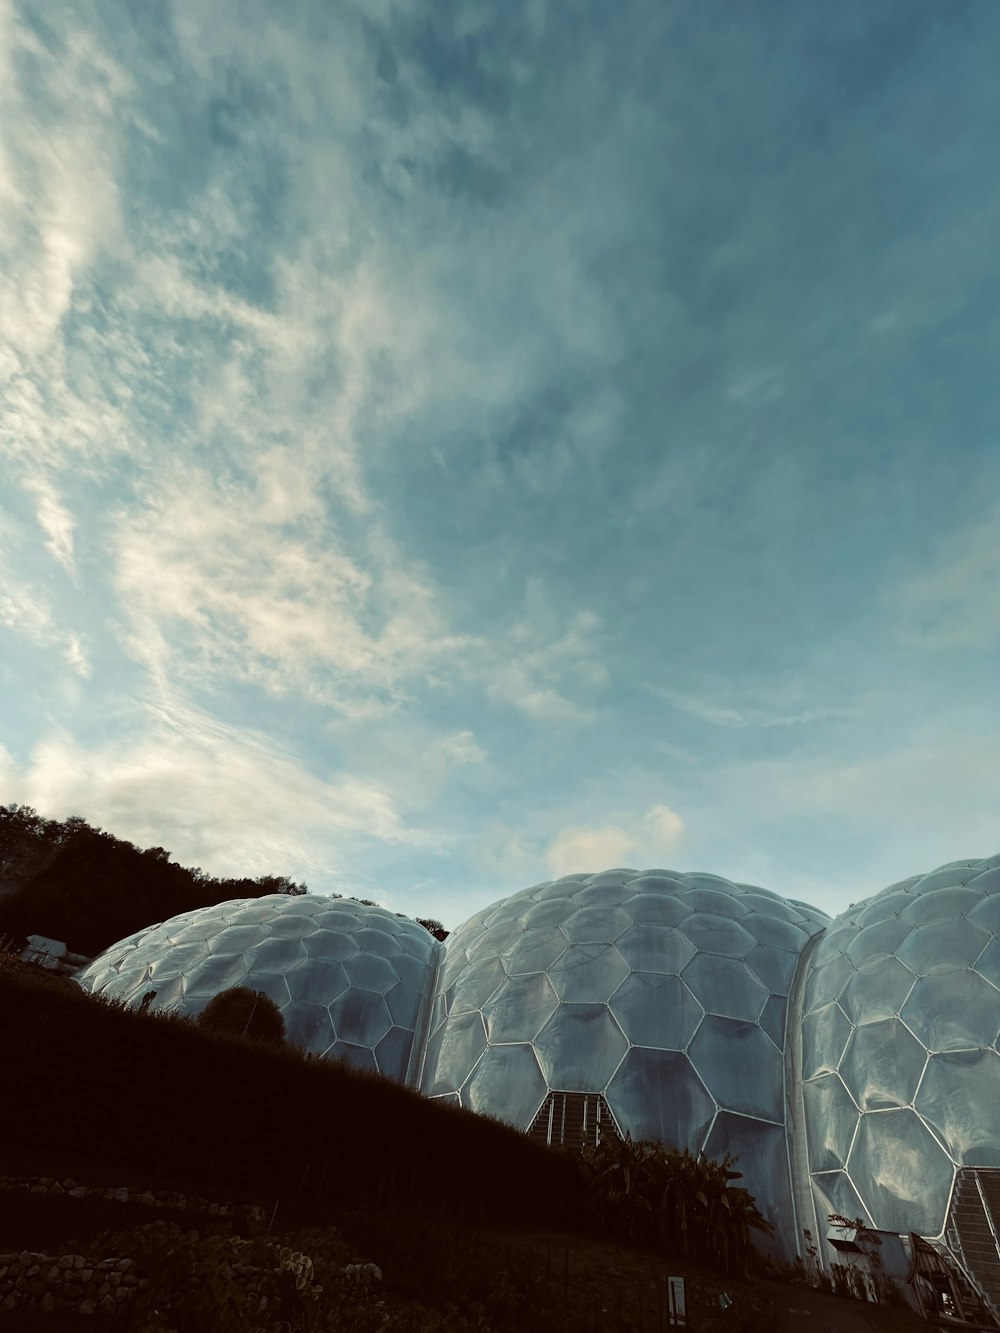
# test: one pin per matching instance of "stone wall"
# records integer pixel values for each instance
(173, 1200)
(70, 1283)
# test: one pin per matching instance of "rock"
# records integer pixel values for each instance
(48, 1302)
(124, 1265)
(148, 1199)
(56, 1188)
(107, 1305)
(69, 1183)
(86, 1274)
(12, 1301)
(78, 1192)
(54, 1274)
(89, 1306)
(120, 1195)
(79, 1261)
(123, 1294)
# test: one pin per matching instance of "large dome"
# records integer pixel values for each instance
(349, 979)
(900, 1062)
(665, 993)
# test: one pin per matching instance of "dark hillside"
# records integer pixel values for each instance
(88, 1084)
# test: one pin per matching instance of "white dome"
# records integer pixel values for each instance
(349, 979)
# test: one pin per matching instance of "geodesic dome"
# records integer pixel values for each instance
(665, 993)
(349, 979)
(900, 1062)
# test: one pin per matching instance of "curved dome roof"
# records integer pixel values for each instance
(665, 992)
(900, 1062)
(349, 979)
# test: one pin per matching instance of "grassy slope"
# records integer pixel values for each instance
(461, 1213)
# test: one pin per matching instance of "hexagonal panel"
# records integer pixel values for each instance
(275, 955)
(986, 913)
(217, 974)
(329, 944)
(596, 925)
(877, 990)
(588, 973)
(657, 1095)
(452, 1054)
(902, 1173)
(474, 986)
(941, 905)
(824, 1035)
(767, 929)
(369, 972)
(317, 980)
(959, 1097)
(774, 967)
(404, 1004)
(518, 1010)
(772, 1020)
(763, 1159)
(392, 1053)
(656, 1011)
(580, 1047)
(235, 939)
(309, 1027)
(550, 912)
(358, 1057)
(988, 963)
(507, 1083)
(271, 984)
(716, 934)
(882, 1065)
(290, 926)
(714, 903)
(952, 1012)
(653, 948)
(413, 971)
(739, 1066)
(878, 941)
(834, 1192)
(360, 1017)
(379, 942)
(827, 979)
(604, 895)
(535, 951)
(651, 908)
(725, 986)
(941, 947)
(831, 1119)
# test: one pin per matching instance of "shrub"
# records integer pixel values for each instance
(684, 1202)
(241, 1012)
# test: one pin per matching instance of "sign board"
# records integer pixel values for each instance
(676, 1306)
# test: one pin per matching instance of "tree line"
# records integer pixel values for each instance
(73, 882)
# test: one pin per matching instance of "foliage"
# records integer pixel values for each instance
(673, 1198)
(242, 1012)
(75, 883)
(434, 927)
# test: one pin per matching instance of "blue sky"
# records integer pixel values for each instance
(444, 447)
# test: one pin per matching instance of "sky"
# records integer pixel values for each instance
(445, 447)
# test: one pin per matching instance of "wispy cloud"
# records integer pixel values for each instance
(27, 611)
(637, 841)
(761, 706)
(227, 799)
(954, 600)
